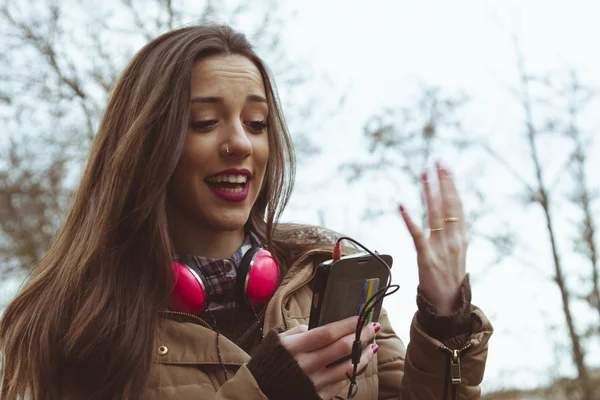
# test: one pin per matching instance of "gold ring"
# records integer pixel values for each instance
(436, 229)
(452, 219)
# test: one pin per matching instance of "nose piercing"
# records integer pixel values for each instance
(227, 149)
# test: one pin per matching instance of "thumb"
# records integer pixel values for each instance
(294, 331)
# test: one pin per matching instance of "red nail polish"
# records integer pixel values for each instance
(401, 208)
(375, 348)
(424, 176)
(376, 326)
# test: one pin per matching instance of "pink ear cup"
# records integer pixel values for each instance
(263, 278)
(188, 294)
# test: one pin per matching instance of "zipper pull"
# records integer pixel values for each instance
(455, 368)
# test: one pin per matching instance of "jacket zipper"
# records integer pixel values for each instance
(202, 322)
(453, 376)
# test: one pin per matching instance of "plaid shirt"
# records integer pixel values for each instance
(220, 275)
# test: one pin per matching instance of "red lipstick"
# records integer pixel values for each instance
(243, 195)
(222, 190)
(233, 171)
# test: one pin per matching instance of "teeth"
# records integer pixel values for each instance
(228, 178)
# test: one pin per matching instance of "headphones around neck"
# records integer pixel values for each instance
(257, 279)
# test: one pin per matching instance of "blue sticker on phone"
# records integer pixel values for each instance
(369, 289)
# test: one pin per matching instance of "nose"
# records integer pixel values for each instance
(237, 143)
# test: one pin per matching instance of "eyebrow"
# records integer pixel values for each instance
(253, 98)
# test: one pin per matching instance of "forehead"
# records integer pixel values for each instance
(226, 74)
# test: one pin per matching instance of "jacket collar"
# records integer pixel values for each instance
(187, 339)
(299, 274)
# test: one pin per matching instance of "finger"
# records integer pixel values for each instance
(366, 357)
(336, 352)
(337, 374)
(320, 337)
(434, 212)
(330, 391)
(294, 331)
(414, 230)
(451, 204)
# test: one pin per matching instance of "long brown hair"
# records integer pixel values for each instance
(84, 322)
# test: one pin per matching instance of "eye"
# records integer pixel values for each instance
(257, 126)
(203, 126)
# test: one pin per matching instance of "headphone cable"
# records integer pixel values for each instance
(362, 321)
(367, 309)
(216, 329)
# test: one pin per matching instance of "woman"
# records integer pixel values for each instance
(192, 163)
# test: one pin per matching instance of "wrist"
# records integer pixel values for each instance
(277, 372)
(450, 303)
(447, 323)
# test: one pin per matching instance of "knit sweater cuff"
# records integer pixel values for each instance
(452, 330)
(277, 372)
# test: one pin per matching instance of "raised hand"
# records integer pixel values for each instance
(441, 256)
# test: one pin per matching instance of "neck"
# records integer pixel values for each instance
(188, 238)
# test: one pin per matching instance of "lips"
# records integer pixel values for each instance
(231, 195)
(230, 185)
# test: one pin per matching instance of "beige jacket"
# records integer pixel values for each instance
(188, 363)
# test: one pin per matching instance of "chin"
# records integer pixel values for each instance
(232, 222)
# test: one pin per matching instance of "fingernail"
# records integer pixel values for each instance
(401, 208)
(438, 164)
(375, 348)
(424, 176)
(376, 326)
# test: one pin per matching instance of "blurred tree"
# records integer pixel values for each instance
(556, 147)
(58, 62)
(584, 196)
(559, 107)
(402, 142)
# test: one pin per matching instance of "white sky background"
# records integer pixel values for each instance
(377, 53)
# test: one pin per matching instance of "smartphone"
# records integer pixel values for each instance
(342, 288)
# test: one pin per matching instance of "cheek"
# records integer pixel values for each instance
(195, 157)
(189, 170)
(261, 153)
(260, 158)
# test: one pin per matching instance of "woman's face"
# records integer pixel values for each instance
(223, 165)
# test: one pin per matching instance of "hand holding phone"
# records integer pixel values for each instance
(316, 350)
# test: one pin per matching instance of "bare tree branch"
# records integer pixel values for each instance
(543, 198)
(585, 242)
(59, 70)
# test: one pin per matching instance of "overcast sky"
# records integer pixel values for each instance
(378, 53)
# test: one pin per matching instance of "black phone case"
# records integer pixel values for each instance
(338, 286)
(318, 292)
